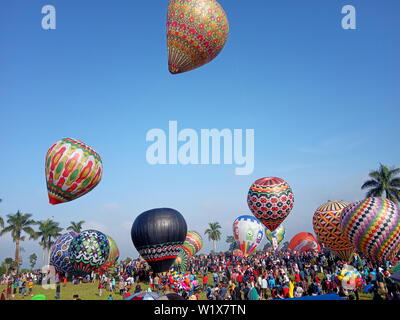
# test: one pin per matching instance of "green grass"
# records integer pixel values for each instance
(89, 291)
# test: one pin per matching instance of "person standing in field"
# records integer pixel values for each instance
(205, 282)
(121, 285)
(100, 288)
(156, 281)
(30, 286)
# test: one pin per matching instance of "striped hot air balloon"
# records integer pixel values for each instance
(193, 243)
(373, 227)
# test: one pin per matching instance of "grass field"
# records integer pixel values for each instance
(89, 291)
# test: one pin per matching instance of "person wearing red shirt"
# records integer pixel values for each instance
(297, 278)
(205, 282)
(239, 278)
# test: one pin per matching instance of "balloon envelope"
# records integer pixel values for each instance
(248, 233)
(112, 256)
(327, 228)
(59, 255)
(270, 200)
(158, 236)
(180, 263)
(373, 227)
(89, 251)
(72, 170)
(275, 237)
(197, 30)
(304, 241)
(193, 243)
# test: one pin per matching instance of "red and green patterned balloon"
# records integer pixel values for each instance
(193, 243)
(88, 251)
(197, 30)
(270, 200)
(72, 170)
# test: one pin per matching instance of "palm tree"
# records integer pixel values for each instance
(385, 181)
(214, 234)
(232, 243)
(48, 230)
(18, 224)
(76, 226)
(1, 219)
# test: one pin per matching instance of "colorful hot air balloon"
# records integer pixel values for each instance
(193, 243)
(59, 255)
(180, 263)
(112, 256)
(248, 233)
(276, 237)
(158, 236)
(373, 227)
(270, 200)
(237, 253)
(72, 170)
(197, 30)
(304, 241)
(326, 223)
(89, 251)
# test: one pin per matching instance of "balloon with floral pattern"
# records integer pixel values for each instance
(197, 31)
(72, 170)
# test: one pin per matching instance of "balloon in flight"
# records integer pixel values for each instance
(72, 169)
(270, 200)
(197, 31)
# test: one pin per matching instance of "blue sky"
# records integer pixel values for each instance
(323, 101)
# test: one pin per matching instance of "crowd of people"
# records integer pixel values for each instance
(264, 275)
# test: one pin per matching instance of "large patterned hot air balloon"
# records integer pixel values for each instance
(158, 236)
(59, 255)
(72, 170)
(248, 233)
(193, 243)
(373, 227)
(112, 256)
(275, 237)
(304, 241)
(197, 30)
(270, 200)
(89, 251)
(326, 223)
